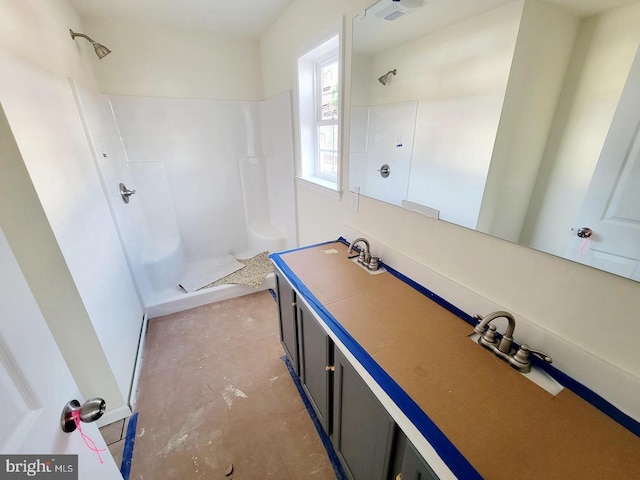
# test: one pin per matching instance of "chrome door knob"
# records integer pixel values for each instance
(89, 411)
(584, 232)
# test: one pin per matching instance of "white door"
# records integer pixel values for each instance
(611, 208)
(36, 383)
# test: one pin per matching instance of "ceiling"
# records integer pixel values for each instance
(372, 34)
(592, 7)
(251, 18)
(247, 18)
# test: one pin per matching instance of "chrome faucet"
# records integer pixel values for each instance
(364, 257)
(356, 241)
(490, 338)
(502, 349)
(365, 254)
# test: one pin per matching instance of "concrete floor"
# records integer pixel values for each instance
(214, 392)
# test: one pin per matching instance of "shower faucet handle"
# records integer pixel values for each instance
(125, 193)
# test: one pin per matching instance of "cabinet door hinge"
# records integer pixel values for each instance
(293, 304)
(330, 368)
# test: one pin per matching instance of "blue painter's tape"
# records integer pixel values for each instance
(326, 441)
(432, 296)
(590, 396)
(273, 295)
(130, 439)
(306, 247)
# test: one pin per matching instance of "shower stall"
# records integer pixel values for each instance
(207, 179)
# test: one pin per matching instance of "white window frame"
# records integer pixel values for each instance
(325, 47)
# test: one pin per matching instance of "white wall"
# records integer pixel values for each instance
(202, 144)
(70, 252)
(565, 299)
(605, 48)
(151, 60)
(461, 78)
(537, 73)
(277, 143)
(319, 216)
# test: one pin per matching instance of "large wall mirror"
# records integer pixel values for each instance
(514, 118)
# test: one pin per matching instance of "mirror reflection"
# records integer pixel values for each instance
(514, 118)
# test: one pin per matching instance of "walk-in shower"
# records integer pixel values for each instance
(211, 179)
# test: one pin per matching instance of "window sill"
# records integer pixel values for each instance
(321, 185)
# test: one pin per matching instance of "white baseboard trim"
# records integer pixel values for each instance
(135, 381)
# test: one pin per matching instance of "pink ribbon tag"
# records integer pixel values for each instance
(91, 445)
(584, 245)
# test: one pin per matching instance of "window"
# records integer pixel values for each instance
(327, 118)
(319, 106)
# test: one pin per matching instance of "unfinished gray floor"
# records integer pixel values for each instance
(214, 392)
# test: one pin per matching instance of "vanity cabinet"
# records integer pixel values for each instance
(287, 317)
(408, 463)
(365, 438)
(363, 431)
(316, 356)
(402, 362)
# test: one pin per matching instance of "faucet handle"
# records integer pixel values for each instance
(490, 335)
(374, 263)
(539, 353)
(364, 257)
(522, 356)
(477, 327)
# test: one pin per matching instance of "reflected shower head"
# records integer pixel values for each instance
(385, 78)
(101, 50)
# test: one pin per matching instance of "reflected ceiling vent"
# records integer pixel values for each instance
(390, 10)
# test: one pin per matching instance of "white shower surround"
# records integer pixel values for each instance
(207, 186)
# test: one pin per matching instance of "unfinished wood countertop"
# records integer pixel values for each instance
(505, 425)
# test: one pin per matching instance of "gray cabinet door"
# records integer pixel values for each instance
(363, 432)
(287, 315)
(316, 351)
(409, 464)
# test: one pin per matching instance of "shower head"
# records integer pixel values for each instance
(101, 50)
(385, 78)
